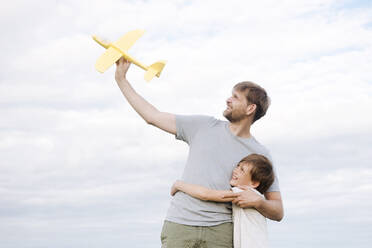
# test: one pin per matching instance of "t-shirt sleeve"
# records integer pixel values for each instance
(275, 186)
(188, 125)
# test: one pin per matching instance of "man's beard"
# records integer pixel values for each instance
(233, 117)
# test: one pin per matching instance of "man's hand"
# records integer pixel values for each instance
(271, 206)
(122, 66)
(174, 188)
(248, 198)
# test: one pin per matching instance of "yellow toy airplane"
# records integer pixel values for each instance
(119, 49)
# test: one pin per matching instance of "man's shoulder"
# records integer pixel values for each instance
(207, 120)
(197, 117)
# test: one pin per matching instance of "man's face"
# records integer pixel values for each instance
(241, 175)
(236, 109)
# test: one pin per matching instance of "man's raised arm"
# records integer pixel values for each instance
(148, 112)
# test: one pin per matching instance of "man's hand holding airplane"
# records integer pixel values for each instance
(122, 66)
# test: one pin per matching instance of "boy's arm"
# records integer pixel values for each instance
(202, 193)
(148, 112)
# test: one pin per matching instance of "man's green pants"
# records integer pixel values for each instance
(176, 235)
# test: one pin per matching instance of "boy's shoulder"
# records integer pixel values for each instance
(238, 190)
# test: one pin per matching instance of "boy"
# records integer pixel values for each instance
(254, 172)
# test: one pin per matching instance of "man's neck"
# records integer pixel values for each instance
(241, 128)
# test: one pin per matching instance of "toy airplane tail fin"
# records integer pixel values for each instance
(154, 70)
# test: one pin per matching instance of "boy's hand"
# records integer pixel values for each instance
(174, 188)
(122, 66)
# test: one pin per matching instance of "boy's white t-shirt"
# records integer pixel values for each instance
(250, 228)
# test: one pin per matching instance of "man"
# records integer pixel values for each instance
(215, 148)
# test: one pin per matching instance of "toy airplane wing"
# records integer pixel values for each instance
(112, 55)
(127, 40)
(119, 49)
(109, 57)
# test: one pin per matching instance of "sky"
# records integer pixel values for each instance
(78, 166)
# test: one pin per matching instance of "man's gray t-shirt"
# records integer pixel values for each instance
(213, 154)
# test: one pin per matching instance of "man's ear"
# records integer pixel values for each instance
(255, 184)
(251, 108)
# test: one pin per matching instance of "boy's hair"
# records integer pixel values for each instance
(261, 171)
(255, 94)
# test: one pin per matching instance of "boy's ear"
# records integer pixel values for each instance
(255, 184)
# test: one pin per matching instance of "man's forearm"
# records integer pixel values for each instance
(139, 104)
(271, 206)
(149, 113)
(272, 209)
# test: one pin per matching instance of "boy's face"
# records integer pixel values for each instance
(242, 176)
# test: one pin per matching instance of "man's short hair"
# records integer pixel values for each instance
(261, 171)
(255, 94)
